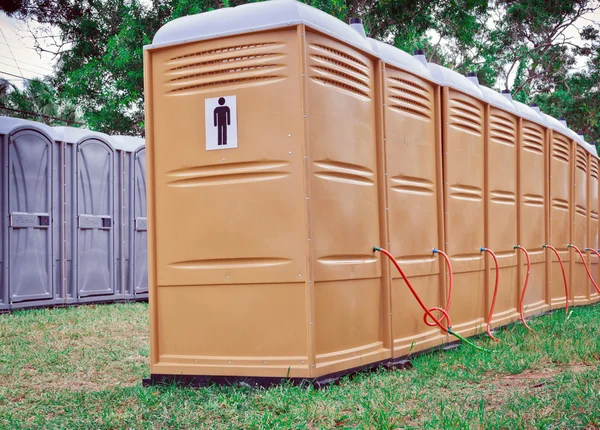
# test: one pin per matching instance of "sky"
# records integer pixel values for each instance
(19, 60)
(17, 54)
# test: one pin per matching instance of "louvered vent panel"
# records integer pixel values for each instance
(533, 140)
(594, 169)
(240, 65)
(339, 70)
(581, 161)
(560, 150)
(502, 130)
(410, 98)
(465, 116)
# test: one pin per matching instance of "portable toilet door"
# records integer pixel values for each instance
(561, 200)
(463, 134)
(94, 231)
(28, 233)
(533, 204)
(140, 237)
(593, 230)
(579, 282)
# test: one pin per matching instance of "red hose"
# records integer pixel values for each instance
(597, 255)
(562, 267)
(489, 324)
(414, 293)
(524, 285)
(450, 284)
(586, 267)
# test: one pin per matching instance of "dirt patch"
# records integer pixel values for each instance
(526, 382)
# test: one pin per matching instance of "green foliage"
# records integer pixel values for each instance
(528, 45)
(39, 97)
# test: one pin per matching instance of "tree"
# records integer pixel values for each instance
(39, 101)
(98, 44)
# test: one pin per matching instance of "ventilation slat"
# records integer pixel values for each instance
(250, 80)
(341, 55)
(226, 50)
(342, 86)
(248, 64)
(339, 70)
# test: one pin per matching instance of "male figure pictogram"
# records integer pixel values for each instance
(222, 118)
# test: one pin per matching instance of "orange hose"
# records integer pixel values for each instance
(428, 312)
(586, 267)
(562, 267)
(489, 324)
(524, 285)
(450, 284)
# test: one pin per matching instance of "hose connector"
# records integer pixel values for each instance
(482, 249)
(587, 249)
(375, 248)
(516, 247)
(544, 246)
(435, 251)
(569, 245)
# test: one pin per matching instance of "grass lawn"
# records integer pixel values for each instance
(82, 368)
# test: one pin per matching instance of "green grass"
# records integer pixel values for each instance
(82, 368)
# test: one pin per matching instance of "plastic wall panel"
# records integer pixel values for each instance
(58, 221)
(30, 235)
(95, 219)
(580, 283)
(4, 298)
(231, 224)
(533, 214)
(122, 178)
(70, 221)
(138, 225)
(344, 196)
(463, 147)
(412, 188)
(502, 222)
(128, 210)
(593, 224)
(560, 213)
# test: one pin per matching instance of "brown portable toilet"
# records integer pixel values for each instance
(463, 132)
(533, 208)
(263, 196)
(413, 191)
(593, 221)
(561, 207)
(501, 206)
(580, 282)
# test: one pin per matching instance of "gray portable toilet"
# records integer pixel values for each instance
(133, 207)
(29, 259)
(140, 236)
(90, 187)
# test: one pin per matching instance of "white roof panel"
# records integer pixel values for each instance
(398, 58)
(9, 125)
(556, 125)
(129, 143)
(254, 17)
(76, 135)
(498, 100)
(529, 113)
(449, 78)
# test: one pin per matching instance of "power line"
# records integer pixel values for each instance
(16, 76)
(26, 112)
(30, 64)
(32, 99)
(27, 70)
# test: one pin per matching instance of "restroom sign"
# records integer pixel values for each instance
(221, 122)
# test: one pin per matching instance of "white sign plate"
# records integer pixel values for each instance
(221, 123)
